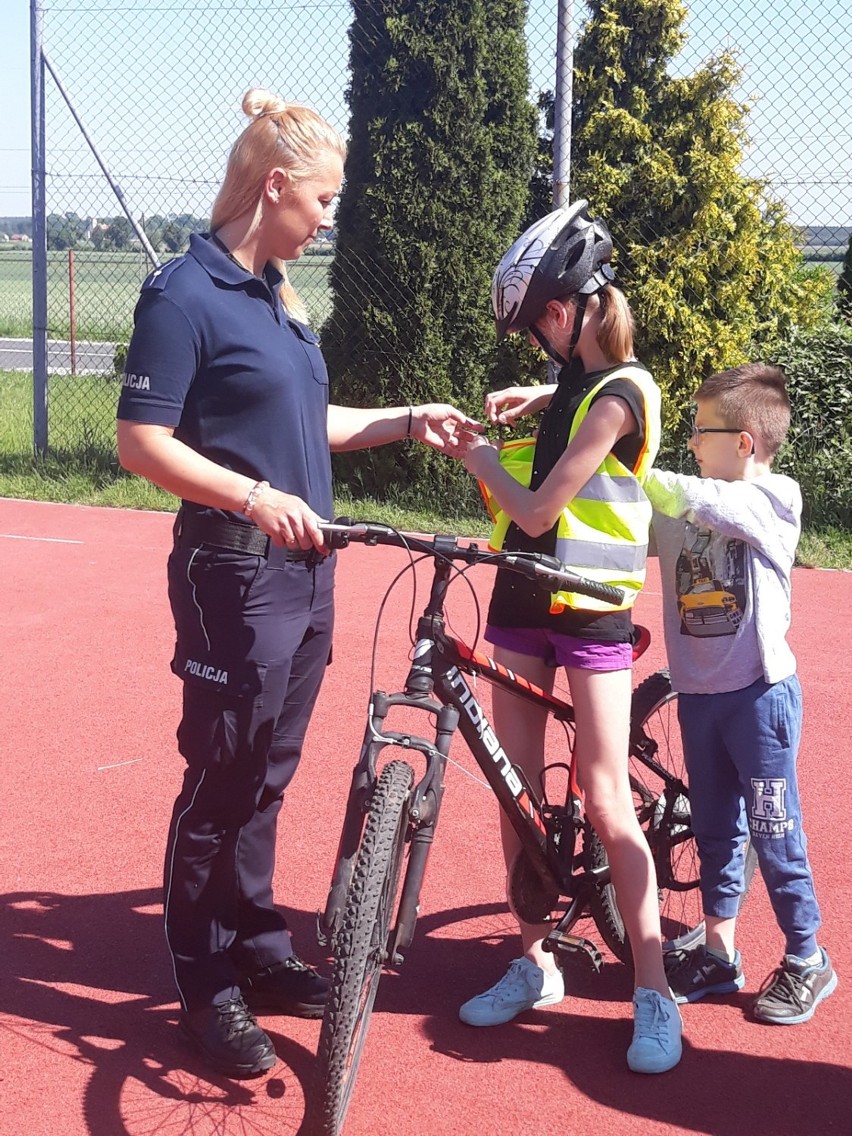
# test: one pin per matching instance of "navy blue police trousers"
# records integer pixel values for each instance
(253, 639)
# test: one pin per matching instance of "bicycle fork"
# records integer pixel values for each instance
(422, 814)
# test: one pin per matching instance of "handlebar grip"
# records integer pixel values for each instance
(563, 579)
(605, 592)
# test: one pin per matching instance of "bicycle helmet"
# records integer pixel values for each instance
(566, 253)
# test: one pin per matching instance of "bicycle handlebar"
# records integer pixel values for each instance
(545, 570)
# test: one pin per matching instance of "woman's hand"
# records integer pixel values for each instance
(154, 452)
(288, 521)
(505, 407)
(440, 425)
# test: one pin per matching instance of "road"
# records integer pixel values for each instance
(91, 358)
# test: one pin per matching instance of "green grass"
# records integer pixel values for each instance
(106, 288)
(81, 468)
(825, 548)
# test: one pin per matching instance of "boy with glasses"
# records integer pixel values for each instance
(726, 543)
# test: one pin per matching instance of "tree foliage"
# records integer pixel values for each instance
(113, 236)
(110, 234)
(65, 231)
(707, 259)
(818, 451)
(440, 154)
(844, 282)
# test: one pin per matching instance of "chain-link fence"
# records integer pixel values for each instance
(156, 86)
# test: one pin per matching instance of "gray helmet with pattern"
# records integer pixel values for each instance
(566, 253)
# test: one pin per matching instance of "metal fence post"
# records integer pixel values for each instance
(562, 106)
(562, 120)
(39, 228)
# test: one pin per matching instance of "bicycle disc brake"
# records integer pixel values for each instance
(530, 899)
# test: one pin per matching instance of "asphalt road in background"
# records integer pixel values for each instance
(91, 358)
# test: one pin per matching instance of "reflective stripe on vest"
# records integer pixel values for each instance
(614, 488)
(603, 532)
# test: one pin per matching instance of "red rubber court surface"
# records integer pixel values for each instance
(88, 1042)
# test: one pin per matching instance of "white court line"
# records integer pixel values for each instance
(46, 539)
(119, 764)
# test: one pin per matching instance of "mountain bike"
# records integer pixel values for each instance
(561, 873)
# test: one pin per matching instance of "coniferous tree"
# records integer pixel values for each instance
(440, 155)
(844, 282)
(708, 260)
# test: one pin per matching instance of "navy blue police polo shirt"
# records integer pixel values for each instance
(215, 355)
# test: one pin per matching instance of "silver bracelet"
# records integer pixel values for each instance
(253, 496)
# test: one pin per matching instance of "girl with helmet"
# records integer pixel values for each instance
(225, 404)
(584, 502)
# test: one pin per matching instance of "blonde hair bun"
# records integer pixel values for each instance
(259, 101)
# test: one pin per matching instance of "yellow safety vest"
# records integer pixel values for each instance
(602, 533)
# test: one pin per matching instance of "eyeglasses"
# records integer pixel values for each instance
(697, 431)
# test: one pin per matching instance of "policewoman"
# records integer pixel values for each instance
(576, 492)
(225, 404)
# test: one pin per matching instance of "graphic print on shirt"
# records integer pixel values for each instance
(711, 583)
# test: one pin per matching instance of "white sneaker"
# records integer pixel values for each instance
(524, 986)
(657, 1028)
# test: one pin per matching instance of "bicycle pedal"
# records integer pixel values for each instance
(561, 943)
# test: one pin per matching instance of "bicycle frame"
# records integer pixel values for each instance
(561, 872)
(437, 684)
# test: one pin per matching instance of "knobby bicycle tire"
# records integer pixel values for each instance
(604, 907)
(360, 949)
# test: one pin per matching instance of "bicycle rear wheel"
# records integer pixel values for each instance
(659, 783)
(360, 949)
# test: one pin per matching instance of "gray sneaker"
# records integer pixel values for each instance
(792, 993)
(524, 986)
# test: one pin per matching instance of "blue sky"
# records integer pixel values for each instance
(15, 110)
(120, 55)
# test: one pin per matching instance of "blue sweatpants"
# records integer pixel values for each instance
(740, 750)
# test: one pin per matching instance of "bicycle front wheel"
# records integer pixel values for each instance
(660, 792)
(360, 949)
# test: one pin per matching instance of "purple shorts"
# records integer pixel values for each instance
(558, 650)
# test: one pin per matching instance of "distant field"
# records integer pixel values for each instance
(106, 289)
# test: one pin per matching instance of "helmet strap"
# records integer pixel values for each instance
(579, 315)
(548, 346)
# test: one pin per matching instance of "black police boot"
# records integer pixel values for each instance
(289, 987)
(229, 1038)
